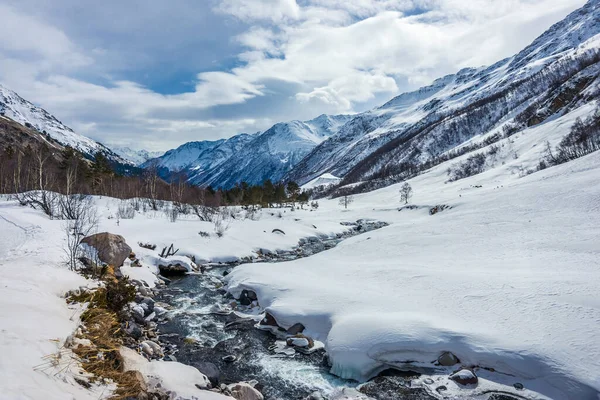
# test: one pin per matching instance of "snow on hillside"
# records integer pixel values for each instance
(24, 112)
(420, 112)
(506, 278)
(323, 180)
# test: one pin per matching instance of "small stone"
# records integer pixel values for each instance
(133, 330)
(298, 342)
(447, 359)
(156, 349)
(519, 386)
(149, 304)
(441, 389)
(464, 377)
(268, 320)
(428, 381)
(229, 358)
(295, 329)
(146, 349)
(244, 391)
(138, 312)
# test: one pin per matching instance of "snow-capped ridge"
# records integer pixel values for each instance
(26, 113)
(415, 127)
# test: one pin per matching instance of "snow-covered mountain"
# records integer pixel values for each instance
(556, 72)
(250, 158)
(26, 113)
(136, 157)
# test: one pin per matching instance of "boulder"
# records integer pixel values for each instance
(111, 248)
(173, 269)
(447, 359)
(268, 320)
(248, 296)
(210, 370)
(464, 377)
(243, 391)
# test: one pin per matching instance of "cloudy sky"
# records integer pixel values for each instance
(154, 74)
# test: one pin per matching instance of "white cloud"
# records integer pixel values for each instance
(339, 55)
(25, 35)
(274, 10)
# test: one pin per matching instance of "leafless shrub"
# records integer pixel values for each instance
(126, 210)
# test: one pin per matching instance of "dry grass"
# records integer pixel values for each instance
(101, 326)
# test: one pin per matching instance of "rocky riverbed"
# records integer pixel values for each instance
(193, 320)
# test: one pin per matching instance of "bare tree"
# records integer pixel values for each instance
(83, 223)
(405, 192)
(345, 201)
(151, 179)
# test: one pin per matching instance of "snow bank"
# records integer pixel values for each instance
(180, 380)
(243, 238)
(34, 318)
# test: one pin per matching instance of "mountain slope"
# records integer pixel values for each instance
(419, 126)
(29, 115)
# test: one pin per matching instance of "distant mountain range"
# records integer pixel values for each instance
(250, 158)
(558, 72)
(136, 157)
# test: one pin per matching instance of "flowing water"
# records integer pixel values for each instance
(203, 329)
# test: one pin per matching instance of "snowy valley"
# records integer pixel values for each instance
(445, 245)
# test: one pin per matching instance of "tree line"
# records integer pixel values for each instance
(37, 174)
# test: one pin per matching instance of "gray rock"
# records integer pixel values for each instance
(243, 391)
(133, 330)
(173, 269)
(210, 370)
(156, 350)
(295, 329)
(112, 249)
(503, 396)
(229, 359)
(447, 359)
(149, 305)
(138, 312)
(464, 377)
